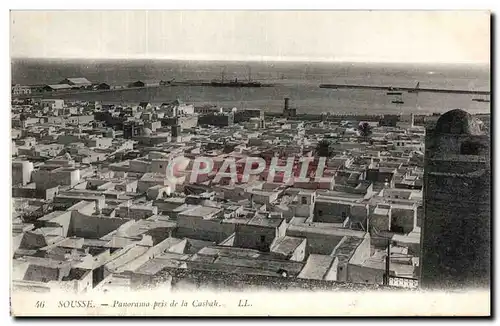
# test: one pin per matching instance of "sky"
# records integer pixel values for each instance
(356, 36)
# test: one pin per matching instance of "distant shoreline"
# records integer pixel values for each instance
(298, 81)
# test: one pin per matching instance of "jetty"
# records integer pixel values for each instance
(408, 89)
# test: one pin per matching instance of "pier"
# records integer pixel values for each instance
(407, 89)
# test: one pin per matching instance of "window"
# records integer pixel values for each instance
(470, 148)
(304, 200)
(344, 215)
(320, 212)
(161, 166)
(262, 238)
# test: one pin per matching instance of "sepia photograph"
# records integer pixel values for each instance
(250, 163)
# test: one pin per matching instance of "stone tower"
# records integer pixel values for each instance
(455, 237)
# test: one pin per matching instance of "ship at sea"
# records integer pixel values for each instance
(398, 99)
(218, 83)
(237, 83)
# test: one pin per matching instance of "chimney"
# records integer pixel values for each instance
(98, 207)
(176, 131)
(287, 100)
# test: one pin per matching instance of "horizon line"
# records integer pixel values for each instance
(254, 59)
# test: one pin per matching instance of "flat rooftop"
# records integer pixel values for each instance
(201, 211)
(347, 248)
(316, 267)
(287, 245)
(305, 228)
(266, 222)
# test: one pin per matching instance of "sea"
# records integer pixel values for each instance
(298, 81)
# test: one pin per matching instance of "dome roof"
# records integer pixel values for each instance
(458, 122)
(147, 131)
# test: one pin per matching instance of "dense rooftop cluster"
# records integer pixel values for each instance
(95, 206)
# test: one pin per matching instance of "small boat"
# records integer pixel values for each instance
(481, 99)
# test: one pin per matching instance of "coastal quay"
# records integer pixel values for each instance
(64, 94)
(199, 83)
(409, 89)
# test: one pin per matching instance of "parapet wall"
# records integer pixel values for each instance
(198, 279)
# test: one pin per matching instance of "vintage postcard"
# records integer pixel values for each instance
(250, 163)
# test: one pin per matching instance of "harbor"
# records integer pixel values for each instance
(308, 98)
